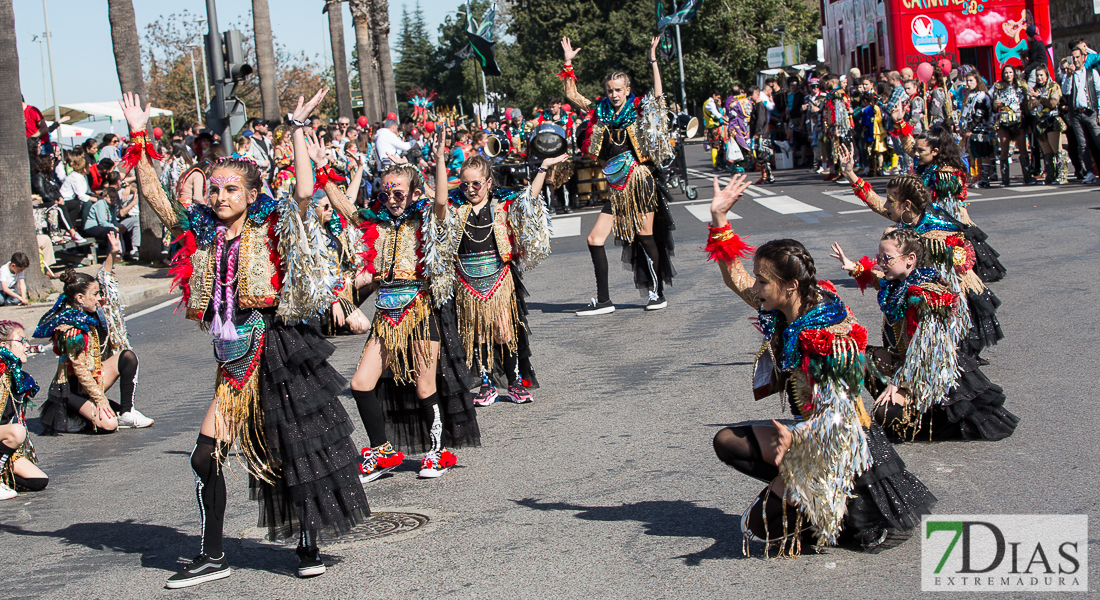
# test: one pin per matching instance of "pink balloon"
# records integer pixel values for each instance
(157, 132)
(924, 72)
(945, 66)
(363, 122)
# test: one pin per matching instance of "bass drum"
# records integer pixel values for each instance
(547, 141)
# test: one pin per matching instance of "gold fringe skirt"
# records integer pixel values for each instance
(235, 419)
(633, 202)
(404, 339)
(479, 318)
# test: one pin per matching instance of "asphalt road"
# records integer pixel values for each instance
(606, 486)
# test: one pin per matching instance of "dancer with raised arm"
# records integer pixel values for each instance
(482, 237)
(427, 400)
(253, 274)
(832, 474)
(89, 336)
(629, 138)
(925, 387)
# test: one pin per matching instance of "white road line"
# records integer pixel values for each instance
(785, 205)
(566, 227)
(142, 313)
(1020, 190)
(724, 180)
(852, 212)
(1041, 195)
(848, 197)
(755, 191)
(702, 212)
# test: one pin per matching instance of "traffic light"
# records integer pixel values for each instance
(236, 68)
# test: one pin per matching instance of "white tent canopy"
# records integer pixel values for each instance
(85, 110)
(72, 131)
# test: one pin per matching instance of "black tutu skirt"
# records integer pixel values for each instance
(886, 496)
(308, 438)
(634, 256)
(55, 410)
(409, 420)
(987, 264)
(523, 342)
(985, 329)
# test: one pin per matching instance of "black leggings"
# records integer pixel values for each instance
(127, 379)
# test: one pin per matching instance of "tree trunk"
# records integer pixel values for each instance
(339, 58)
(127, 48)
(17, 231)
(362, 19)
(265, 59)
(381, 39)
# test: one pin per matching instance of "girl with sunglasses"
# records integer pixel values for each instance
(628, 136)
(254, 274)
(482, 237)
(832, 475)
(426, 400)
(90, 339)
(18, 462)
(926, 388)
(948, 246)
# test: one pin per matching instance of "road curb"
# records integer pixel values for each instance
(147, 292)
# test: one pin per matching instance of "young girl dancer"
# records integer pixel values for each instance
(932, 390)
(89, 336)
(253, 274)
(832, 471)
(482, 237)
(947, 245)
(628, 136)
(427, 397)
(18, 462)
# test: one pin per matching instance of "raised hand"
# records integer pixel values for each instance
(136, 117)
(724, 199)
(555, 160)
(315, 149)
(112, 240)
(845, 262)
(653, 48)
(439, 144)
(898, 113)
(567, 47)
(304, 109)
(844, 157)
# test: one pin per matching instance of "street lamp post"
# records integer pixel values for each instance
(49, 52)
(198, 110)
(42, 53)
(205, 76)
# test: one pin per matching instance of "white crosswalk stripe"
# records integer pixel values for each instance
(702, 212)
(785, 205)
(566, 227)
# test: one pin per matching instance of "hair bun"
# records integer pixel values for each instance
(67, 276)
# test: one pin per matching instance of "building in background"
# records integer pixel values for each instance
(1072, 19)
(876, 35)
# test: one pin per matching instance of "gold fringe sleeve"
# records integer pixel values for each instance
(87, 381)
(740, 281)
(579, 102)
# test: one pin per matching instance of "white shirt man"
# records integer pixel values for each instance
(387, 142)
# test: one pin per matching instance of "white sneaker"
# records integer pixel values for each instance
(6, 493)
(133, 419)
(1090, 179)
(77, 237)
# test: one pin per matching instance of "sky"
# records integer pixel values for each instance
(84, 63)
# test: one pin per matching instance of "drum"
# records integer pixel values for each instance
(498, 144)
(592, 184)
(546, 141)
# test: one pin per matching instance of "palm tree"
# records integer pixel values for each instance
(265, 59)
(339, 57)
(127, 49)
(381, 39)
(17, 232)
(362, 20)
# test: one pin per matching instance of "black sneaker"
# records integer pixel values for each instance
(201, 570)
(596, 308)
(309, 563)
(656, 302)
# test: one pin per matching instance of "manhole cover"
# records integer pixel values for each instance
(378, 525)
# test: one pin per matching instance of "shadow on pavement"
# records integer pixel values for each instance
(666, 518)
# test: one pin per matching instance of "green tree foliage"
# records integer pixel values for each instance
(415, 48)
(729, 40)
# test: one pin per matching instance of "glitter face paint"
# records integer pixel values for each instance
(220, 182)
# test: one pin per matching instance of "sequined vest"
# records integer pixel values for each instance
(601, 130)
(501, 230)
(401, 247)
(257, 275)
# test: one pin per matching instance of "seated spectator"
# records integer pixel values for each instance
(74, 191)
(112, 148)
(43, 181)
(13, 286)
(100, 220)
(127, 215)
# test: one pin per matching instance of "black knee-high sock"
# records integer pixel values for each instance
(307, 539)
(599, 263)
(127, 379)
(34, 484)
(5, 455)
(210, 492)
(370, 410)
(650, 247)
(436, 430)
(511, 364)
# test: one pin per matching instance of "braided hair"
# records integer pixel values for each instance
(911, 188)
(908, 241)
(791, 261)
(942, 140)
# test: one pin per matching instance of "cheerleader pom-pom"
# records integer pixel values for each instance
(725, 245)
(447, 459)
